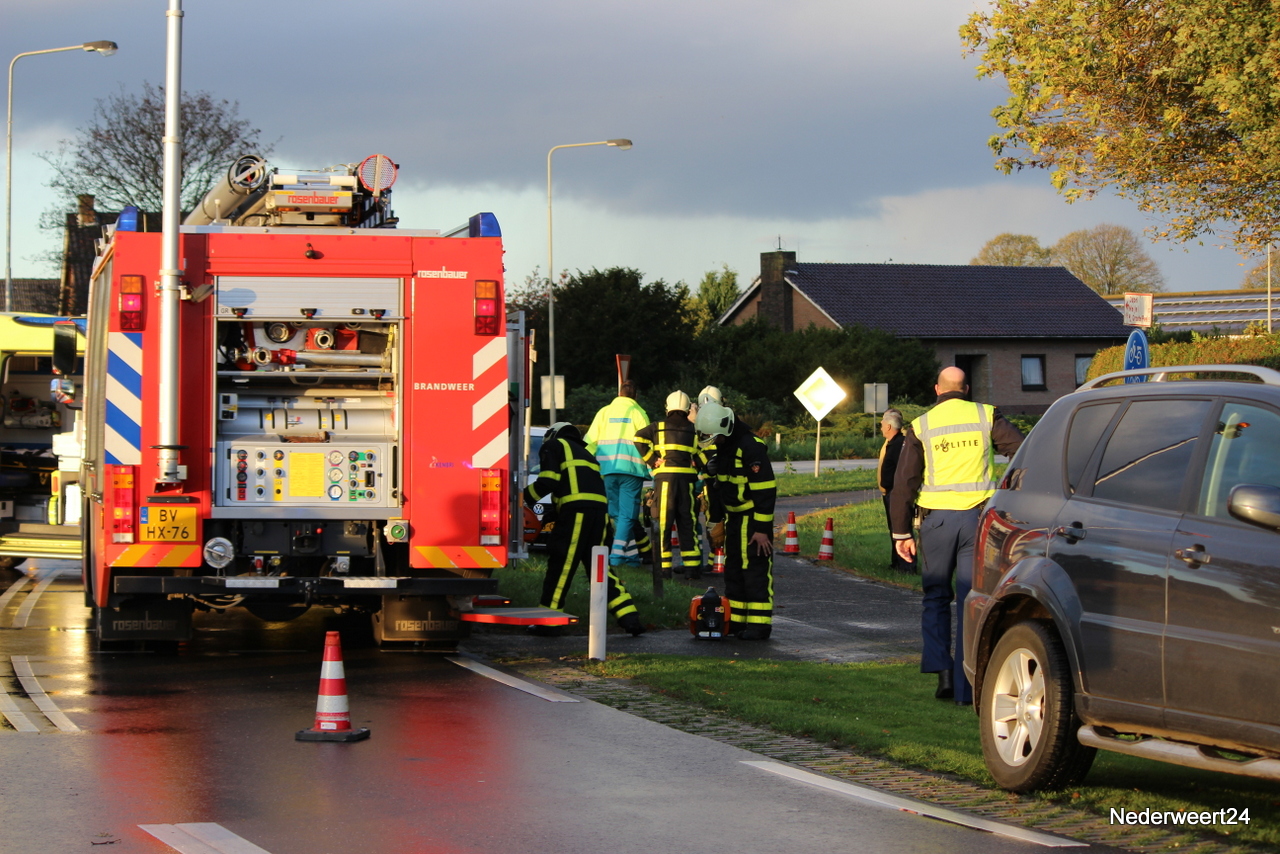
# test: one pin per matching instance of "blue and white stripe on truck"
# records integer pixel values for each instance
(124, 398)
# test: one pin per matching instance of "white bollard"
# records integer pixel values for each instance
(599, 603)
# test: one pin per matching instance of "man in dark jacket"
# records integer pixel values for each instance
(571, 475)
(670, 448)
(739, 462)
(891, 429)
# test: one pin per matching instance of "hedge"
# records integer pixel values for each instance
(1263, 350)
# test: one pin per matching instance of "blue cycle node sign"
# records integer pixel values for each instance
(1136, 355)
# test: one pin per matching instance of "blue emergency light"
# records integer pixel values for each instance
(128, 219)
(483, 225)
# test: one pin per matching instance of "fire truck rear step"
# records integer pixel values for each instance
(519, 616)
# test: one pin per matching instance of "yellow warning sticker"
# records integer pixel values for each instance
(306, 475)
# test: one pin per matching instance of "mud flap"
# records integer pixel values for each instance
(418, 619)
(163, 619)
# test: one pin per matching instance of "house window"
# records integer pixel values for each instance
(1083, 361)
(1033, 373)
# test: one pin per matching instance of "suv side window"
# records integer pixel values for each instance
(1148, 455)
(1245, 449)
(1086, 429)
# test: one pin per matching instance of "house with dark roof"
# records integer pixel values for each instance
(1024, 335)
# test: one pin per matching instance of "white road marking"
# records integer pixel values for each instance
(203, 837)
(867, 793)
(12, 591)
(14, 715)
(28, 605)
(548, 694)
(22, 668)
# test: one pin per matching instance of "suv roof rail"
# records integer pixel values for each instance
(1161, 374)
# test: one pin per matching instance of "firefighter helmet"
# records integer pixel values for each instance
(678, 401)
(714, 419)
(710, 394)
(561, 430)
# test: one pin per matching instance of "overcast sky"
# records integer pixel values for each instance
(845, 130)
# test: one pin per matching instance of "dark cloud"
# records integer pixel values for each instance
(733, 106)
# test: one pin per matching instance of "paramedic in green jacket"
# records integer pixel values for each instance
(611, 438)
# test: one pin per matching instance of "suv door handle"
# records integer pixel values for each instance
(1072, 533)
(1194, 556)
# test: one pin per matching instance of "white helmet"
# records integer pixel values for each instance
(710, 393)
(678, 400)
(714, 419)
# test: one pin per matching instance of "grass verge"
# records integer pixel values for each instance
(888, 710)
(802, 482)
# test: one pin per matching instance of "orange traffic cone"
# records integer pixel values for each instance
(827, 551)
(333, 717)
(675, 537)
(791, 545)
(717, 568)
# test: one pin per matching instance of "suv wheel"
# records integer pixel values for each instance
(1027, 719)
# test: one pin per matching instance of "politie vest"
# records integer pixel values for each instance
(958, 456)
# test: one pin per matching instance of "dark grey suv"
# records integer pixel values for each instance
(1126, 590)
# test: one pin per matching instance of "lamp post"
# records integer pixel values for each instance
(621, 144)
(105, 48)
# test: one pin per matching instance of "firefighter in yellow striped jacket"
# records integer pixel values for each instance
(670, 448)
(571, 475)
(739, 462)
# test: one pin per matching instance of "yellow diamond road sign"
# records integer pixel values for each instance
(820, 394)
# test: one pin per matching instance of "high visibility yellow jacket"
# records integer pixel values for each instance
(612, 435)
(959, 458)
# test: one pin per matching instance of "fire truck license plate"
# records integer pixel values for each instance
(167, 524)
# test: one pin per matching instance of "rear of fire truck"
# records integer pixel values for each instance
(343, 427)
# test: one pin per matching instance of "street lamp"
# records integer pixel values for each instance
(103, 47)
(621, 144)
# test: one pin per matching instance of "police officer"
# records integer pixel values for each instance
(739, 462)
(571, 475)
(670, 448)
(947, 459)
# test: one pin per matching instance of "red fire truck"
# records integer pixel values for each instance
(342, 433)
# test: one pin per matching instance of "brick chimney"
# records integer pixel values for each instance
(85, 213)
(775, 293)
